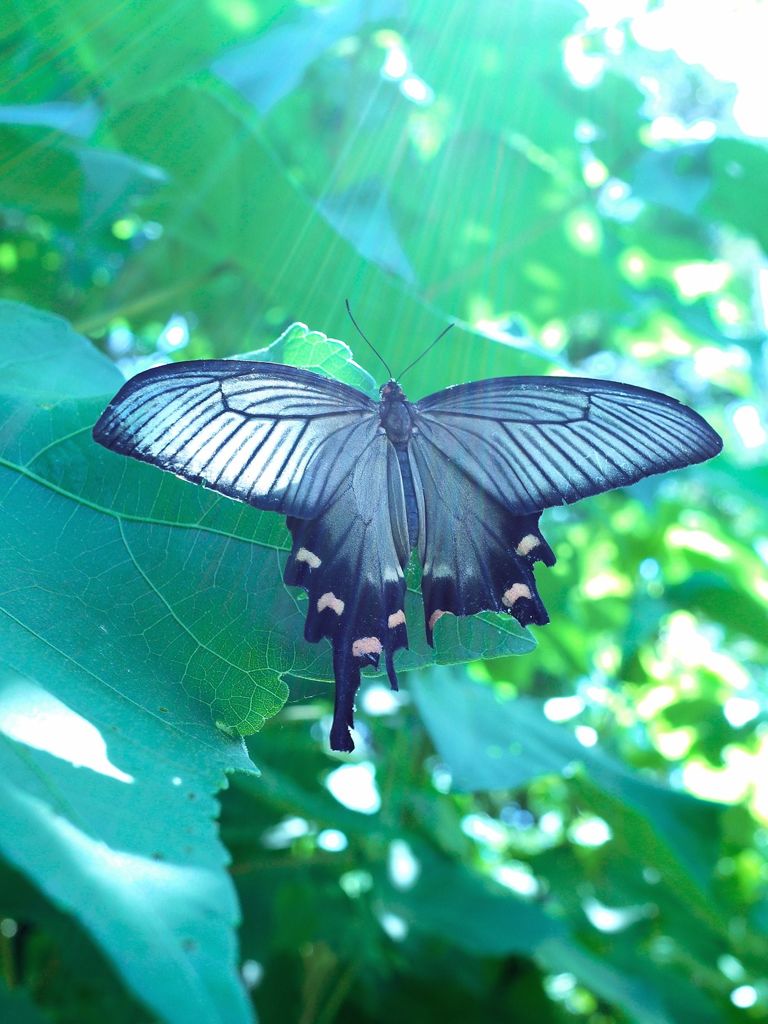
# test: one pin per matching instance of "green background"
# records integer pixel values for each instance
(564, 824)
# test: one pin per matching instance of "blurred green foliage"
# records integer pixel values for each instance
(579, 833)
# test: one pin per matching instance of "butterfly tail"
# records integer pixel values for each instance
(346, 670)
(391, 674)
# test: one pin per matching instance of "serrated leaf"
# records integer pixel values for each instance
(313, 350)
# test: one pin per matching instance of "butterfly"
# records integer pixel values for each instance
(461, 475)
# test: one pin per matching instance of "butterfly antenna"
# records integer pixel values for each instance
(359, 331)
(427, 349)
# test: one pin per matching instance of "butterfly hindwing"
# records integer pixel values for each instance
(350, 560)
(534, 442)
(476, 556)
(275, 436)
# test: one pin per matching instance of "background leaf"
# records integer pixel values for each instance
(576, 835)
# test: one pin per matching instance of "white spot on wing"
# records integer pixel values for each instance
(528, 543)
(330, 600)
(396, 619)
(304, 555)
(515, 593)
(366, 645)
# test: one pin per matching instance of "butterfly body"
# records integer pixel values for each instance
(397, 419)
(462, 476)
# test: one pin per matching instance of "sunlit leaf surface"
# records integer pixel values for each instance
(574, 835)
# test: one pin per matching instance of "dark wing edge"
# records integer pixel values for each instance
(476, 555)
(277, 437)
(350, 560)
(535, 442)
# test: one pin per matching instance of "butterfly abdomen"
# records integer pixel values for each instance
(409, 493)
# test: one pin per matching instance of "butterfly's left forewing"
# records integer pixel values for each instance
(288, 440)
(277, 437)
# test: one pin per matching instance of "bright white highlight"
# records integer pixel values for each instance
(484, 829)
(394, 925)
(551, 823)
(417, 90)
(701, 278)
(380, 700)
(584, 68)
(744, 996)
(740, 710)
(402, 865)
(174, 335)
(561, 709)
(586, 735)
(613, 919)
(590, 831)
(395, 63)
(281, 836)
(354, 786)
(728, 39)
(31, 715)
(332, 840)
(518, 877)
(746, 419)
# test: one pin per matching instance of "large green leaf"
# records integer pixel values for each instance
(45, 173)
(109, 768)
(117, 50)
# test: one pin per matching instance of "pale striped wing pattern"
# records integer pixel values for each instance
(277, 437)
(534, 442)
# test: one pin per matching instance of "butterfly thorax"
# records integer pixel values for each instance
(395, 414)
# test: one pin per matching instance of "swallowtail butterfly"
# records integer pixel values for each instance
(462, 476)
